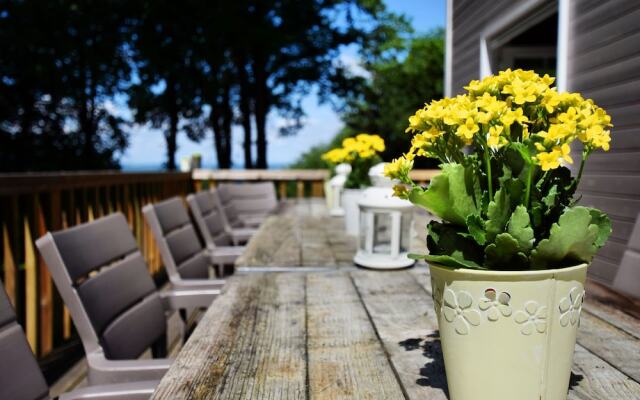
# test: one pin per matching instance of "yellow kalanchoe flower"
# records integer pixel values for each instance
(467, 130)
(398, 169)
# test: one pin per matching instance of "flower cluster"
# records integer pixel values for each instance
(362, 146)
(513, 106)
(361, 152)
(504, 196)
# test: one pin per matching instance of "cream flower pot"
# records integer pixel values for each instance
(351, 214)
(508, 335)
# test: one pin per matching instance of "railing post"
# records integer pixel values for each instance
(31, 286)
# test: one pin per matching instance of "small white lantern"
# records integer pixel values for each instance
(385, 226)
(336, 185)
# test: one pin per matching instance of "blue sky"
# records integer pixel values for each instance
(147, 148)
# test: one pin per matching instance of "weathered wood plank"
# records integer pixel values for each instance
(611, 344)
(402, 313)
(346, 359)
(274, 241)
(249, 344)
(594, 379)
(617, 309)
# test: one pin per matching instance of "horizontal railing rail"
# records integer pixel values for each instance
(306, 181)
(34, 203)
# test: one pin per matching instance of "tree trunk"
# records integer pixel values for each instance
(171, 135)
(245, 109)
(227, 122)
(220, 137)
(261, 111)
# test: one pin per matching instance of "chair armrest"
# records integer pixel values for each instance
(123, 391)
(103, 371)
(185, 299)
(198, 284)
(252, 221)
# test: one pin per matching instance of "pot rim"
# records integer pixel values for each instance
(520, 274)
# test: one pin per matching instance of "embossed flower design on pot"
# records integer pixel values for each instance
(495, 304)
(533, 318)
(457, 310)
(571, 306)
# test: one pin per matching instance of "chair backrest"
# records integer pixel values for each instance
(209, 218)
(251, 198)
(222, 198)
(21, 378)
(103, 279)
(182, 253)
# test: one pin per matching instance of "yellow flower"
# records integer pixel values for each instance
(401, 191)
(511, 116)
(565, 152)
(495, 140)
(522, 92)
(398, 168)
(548, 160)
(467, 130)
(550, 100)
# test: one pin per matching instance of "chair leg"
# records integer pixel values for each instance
(220, 270)
(159, 347)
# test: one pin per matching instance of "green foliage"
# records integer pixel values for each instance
(451, 196)
(576, 237)
(506, 233)
(403, 74)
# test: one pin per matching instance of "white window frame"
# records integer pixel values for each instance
(516, 13)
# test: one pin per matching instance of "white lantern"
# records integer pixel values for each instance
(385, 226)
(336, 185)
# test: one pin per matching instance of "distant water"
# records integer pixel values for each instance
(159, 167)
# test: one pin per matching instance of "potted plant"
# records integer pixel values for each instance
(361, 152)
(509, 259)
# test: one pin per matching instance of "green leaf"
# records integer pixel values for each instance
(450, 195)
(505, 254)
(603, 222)
(550, 199)
(448, 240)
(449, 261)
(574, 238)
(519, 228)
(498, 214)
(475, 225)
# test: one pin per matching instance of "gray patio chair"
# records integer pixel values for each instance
(118, 313)
(187, 261)
(21, 378)
(239, 231)
(253, 202)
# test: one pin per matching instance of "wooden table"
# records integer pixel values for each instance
(349, 333)
(303, 237)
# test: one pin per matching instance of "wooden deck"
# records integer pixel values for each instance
(347, 333)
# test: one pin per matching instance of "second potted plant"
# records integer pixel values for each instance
(361, 152)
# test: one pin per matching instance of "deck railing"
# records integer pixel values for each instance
(32, 204)
(300, 182)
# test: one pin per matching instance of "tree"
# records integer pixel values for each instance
(167, 92)
(62, 60)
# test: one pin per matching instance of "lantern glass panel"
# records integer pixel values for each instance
(364, 230)
(405, 232)
(382, 233)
